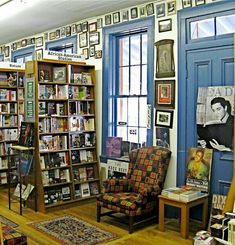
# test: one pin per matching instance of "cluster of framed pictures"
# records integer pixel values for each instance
(188, 3)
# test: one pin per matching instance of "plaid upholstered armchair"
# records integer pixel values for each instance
(136, 194)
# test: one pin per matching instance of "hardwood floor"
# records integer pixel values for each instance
(87, 211)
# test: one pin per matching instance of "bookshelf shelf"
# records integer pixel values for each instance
(65, 132)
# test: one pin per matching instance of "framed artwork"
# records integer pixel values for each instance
(39, 42)
(199, 2)
(125, 15)
(79, 28)
(52, 35)
(99, 23)
(134, 13)
(46, 36)
(73, 29)
(160, 10)
(23, 42)
(18, 44)
(165, 94)
(149, 9)
(171, 8)
(32, 40)
(7, 51)
(186, 3)
(92, 51)
(85, 52)
(116, 17)
(108, 20)
(39, 54)
(85, 26)
(14, 46)
(164, 118)
(94, 38)
(83, 40)
(164, 25)
(165, 66)
(93, 27)
(62, 33)
(57, 33)
(98, 54)
(68, 31)
(142, 11)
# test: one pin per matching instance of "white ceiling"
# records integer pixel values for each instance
(41, 15)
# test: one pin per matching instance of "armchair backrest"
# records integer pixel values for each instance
(148, 167)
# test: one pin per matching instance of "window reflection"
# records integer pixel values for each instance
(202, 28)
(225, 24)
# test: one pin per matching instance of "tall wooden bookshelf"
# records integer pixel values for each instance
(65, 147)
(12, 80)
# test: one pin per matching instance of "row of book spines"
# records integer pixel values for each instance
(53, 91)
(9, 134)
(80, 93)
(7, 94)
(53, 125)
(56, 142)
(10, 108)
(8, 120)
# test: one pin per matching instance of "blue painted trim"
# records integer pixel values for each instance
(22, 52)
(184, 17)
(109, 36)
(72, 39)
(1, 57)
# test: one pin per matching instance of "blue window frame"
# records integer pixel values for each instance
(67, 45)
(23, 55)
(135, 35)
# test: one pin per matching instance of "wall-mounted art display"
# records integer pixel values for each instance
(186, 3)
(142, 11)
(94, 38)
(85, 26)
(134, 13)
(160, 10)
(79, 28)
(85, 52)
(125, 15)
(23, 43)
(199, 2)
(108, 19)
(116, 17)
(164, 25)
(63, 33)
(57, 33)
(99, 23)
(68, 31)
(165, 66)
(98, 54)
(149, 9)
(73, 29)
(52, 35)
(163, 137)
(39, 54)
(171, 7)
(93, 27)
(164, 118)
(92, 51)
(83, 40)
(39, 42)
(7, 51)
(165, 94)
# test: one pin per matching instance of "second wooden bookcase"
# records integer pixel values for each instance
(66, 155)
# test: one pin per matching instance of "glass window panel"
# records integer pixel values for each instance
(122, 111)
(133, 134)
(144, 80)
(28, 58)
(135, 80)
(124, 81)
(144, 49)
(202, 28)
(135, 50)
(143, 136)
(124, 51)
(143, 112)
(20, 60)
(225, 24)
(133, 111)
(122, 132)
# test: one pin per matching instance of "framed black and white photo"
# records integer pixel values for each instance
(85, 26)
(68, 31)
(199, 2)
(99, 23)
(7, 51)
(23, 42)
(108, 19)
(116, 17)
(92, 51)
(142, 11)
(14, 46)
(85, 52)
(98, 54)
(79, 28)
(134, 13)
(149, 9)
(83, 42)
(73, 29)
(62, 33)
(125, 15)
(94, 38)
(164, 118)
(32, 40)
(39, 42)
(57, 33)
(160, 10)
(39, 54)
(171, 7)
(93, 27)
(164, 25)
(186, 3)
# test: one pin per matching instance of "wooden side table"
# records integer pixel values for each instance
(184, 208)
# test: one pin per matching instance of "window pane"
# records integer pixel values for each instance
(143, 112)
(20, 60)
(122, 132)
(143, 136)
(144, 80)
(144, 49)
(28, 58)
(133, 134)
(124, 51)
(135, 80)
(133, 111)
(202, 28)
(225, 24)
(124, 81)
(122, 111)
(135, 50)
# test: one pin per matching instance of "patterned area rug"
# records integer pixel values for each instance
(8, 222)
(71, 230)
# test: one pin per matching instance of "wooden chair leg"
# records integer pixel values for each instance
(98, 213)
(131, 221)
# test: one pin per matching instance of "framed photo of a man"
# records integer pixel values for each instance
(165, 66)
(164, 118)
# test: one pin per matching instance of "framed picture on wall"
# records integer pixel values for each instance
(39, 54)
(57, 33)
(199, 2)
(85, 26)
(39, 42)
(116, 17)
(134, 13)
(160, 10)
(7, 51)
(149, 9)
(92, 51)
(83, 40)
(186, 3)
(171, 7)
(164, 25)
(99, 23)
(94, 38)
(165, 94)
(85, 52)
(98, 54)
(93, 27)
(79, 28)
(108, 19)
(164, 118)
(52, 35)
(125, 15)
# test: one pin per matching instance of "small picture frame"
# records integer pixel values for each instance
(125, 15)
(57, 33)
(164, 118)
(99, 23)
(164, 25)
(83, 41)
(52, 35)
(39, 42)
(199, 2)
(108, 19)
(85, 52)
(171, 7)
(142, 11)
(14, 46)
(79, 28)
(68, 31)
(150, 9)
(32, 40)
(23, 42)
(165, 66)
(134, 13)
(7, 51)
(186, 3)
(63, 33)
(98, 54)
(160, 10)
(94, 38)
(116, 17)
(73, 29)
(165, 94)
(93, 27)
(39, 54)
(92, 51)
(85, 26)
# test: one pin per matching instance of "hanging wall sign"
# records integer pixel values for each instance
(12, 65)
(54, 55)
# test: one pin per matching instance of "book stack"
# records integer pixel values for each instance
(203, 238)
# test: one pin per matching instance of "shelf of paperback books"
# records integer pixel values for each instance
(66, 135)
(12, 80)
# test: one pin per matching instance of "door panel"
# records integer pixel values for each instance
(209, 67)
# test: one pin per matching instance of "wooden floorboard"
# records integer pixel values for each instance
(87, 211)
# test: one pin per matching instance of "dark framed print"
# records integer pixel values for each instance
(134, 13)
(83, 42)
(73, 29)
(98, 54)
(14, 46)
(142, 11)
(23, 42)
(85, 26)
(171, 7)
(164, 25)
(52, 35)
(108, 19)
(39, 42)
(68, 31)
(32, 40)
(92, 51)
(150, 9)
(79, 28)
(99, 23)
(62, 33)
(160, 10)
(57, 33)
(165, 66)
(39, 54)
(85, 52)
(164, 118)
(7, 51)
(186, 3)
(165, 94)
(93, 27)
(199, 2)
(116, 17)
(94, 38)
(125, 15)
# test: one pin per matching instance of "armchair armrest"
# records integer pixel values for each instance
(116, 185)
(150, 191)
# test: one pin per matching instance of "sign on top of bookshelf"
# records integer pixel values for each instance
(54, 55)
(12, 65)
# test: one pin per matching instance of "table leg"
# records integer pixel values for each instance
(184, 227)
(205, 213)
(161, 215)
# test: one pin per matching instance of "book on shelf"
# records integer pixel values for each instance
(66, 194)
(59, 74)
(44, 75)
(89, 124)
(83, 155)
(126, 148)
(12, 79)
(75, 157)
(77, 192)
(26, 134)
(42, 108)
(85, 190)
(20, 94)
(76, 78)
(82, 174)
(90, 173)
(94, 188)
(86, 78)
(28, 190)
(113, 146)
(3, 178)
(76, 174)
(62, 92)
(24, 163)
